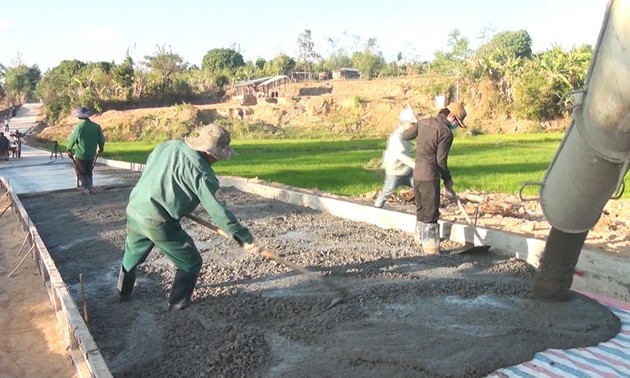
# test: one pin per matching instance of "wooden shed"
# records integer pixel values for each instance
(346, 73)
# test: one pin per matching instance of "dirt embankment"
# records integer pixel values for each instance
(363, 107)
(408, 313)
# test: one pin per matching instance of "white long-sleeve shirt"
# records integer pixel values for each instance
(396, 160)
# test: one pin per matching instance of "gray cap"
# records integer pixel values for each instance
(83, 112)
(214, 140)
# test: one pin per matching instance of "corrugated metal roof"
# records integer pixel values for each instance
(252, 82)
(274, 78)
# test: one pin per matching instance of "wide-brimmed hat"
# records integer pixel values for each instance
(407, 115)
(214, 140)
(457, 109)
(83, 112)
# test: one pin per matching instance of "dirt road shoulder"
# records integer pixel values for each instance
(31, 344)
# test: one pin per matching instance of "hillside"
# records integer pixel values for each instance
(365, 107)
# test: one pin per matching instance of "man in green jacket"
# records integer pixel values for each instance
(178, 177)
(87, 136)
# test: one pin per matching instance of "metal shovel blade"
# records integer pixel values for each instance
(474, 249)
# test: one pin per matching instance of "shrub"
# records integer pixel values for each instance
(358, 101)
(535, 97)
(242, 129)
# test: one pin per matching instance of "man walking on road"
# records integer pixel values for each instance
(396, 161)
(434, 137)
(87, 136)
(178, 177)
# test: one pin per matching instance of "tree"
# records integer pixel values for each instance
(68, 68)
(510, 44)
(370, 61)
(306, 50)
(280, 65)
(217, 60)
(246, 72)
(93, 84)
(338, 57)
(486, 33)
(260, 63)
(21, 81)
(455, 59)
(163, 66)
(565, 69)
(460, 46)
(57, 88)
(123, 75)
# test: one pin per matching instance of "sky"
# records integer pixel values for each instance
(45, 32)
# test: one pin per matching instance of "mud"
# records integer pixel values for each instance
(408, 314)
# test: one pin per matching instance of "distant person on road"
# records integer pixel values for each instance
(89, 140)
(5, 144)
(434, 137)
(178, 177)
(16, 142)
(6, 124)
(396, 161)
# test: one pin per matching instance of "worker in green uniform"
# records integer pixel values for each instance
(177, 177)
(87, 136)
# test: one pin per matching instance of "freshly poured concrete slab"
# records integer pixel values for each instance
(36, 171)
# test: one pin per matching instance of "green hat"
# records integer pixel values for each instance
(83, 112)
(214, 140)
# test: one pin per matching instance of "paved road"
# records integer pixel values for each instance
(37, 170)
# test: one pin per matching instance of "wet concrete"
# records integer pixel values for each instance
(37, 171)
(557, 265)
(409, 314)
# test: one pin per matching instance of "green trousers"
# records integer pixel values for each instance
(171, 239)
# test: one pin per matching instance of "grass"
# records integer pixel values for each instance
(493, 163)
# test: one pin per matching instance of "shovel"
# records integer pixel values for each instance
(94, 161)
(77, 169)
(474, 248)
(341, 291)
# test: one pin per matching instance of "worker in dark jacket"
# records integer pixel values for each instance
(87, 136)
(4, 147)
(434, 137)
(177, 177)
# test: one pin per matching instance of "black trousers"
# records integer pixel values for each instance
(83, 168)
(427, 200)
